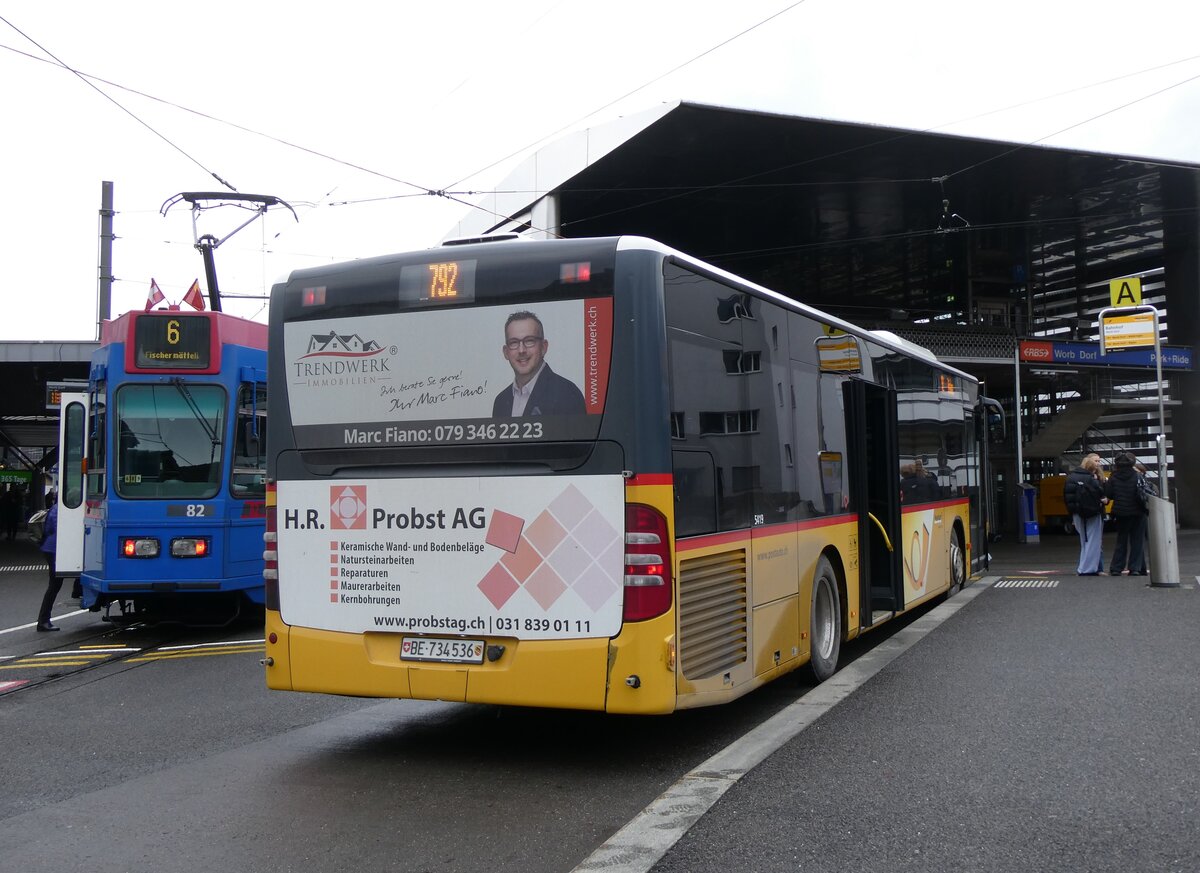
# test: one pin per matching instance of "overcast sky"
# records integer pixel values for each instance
(350, 111)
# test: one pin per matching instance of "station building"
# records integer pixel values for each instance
(996, 256)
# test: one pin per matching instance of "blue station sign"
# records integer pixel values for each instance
(1088, 355)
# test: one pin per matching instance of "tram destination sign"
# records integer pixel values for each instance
(172, 342)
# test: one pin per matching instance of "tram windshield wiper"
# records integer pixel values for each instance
(209, 428)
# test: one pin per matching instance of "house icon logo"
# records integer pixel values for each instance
(337, 345)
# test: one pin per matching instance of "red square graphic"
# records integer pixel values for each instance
(497, 586)
(333, 545)
(523, 561)
(504, 531)
(333, 584)
(348, 507)
(333, 598)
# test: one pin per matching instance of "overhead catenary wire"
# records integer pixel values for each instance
(116, 103)
(681, 191)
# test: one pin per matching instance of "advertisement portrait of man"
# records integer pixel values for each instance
(536, 389)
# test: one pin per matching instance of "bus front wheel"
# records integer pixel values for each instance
(825, 622)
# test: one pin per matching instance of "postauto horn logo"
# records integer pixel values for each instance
(348, 507)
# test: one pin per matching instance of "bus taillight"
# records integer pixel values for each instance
(647, 563)
(270, 552)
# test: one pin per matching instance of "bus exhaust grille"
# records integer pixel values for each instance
(712, 613)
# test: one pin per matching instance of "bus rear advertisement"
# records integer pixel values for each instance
(594, 474)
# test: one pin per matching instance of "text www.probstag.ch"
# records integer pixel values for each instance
(430, 622)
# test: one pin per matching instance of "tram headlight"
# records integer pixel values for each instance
(139, 547)
(189, 547)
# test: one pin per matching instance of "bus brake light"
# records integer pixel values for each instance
(648, 579)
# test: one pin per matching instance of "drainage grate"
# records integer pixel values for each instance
(1027, 583)
(21, 568)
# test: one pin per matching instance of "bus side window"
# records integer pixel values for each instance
(695, 478)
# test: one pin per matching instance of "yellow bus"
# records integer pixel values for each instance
(595, 474)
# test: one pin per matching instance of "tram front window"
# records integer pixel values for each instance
(169, 440)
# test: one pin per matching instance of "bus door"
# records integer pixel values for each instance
(989, 429)
(873, 448)
(72, 449)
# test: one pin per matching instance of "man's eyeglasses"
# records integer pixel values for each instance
(528, 342)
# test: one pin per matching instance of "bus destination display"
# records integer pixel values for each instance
(172, 342)
(442, 282)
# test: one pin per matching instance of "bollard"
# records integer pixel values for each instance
(1163, 552)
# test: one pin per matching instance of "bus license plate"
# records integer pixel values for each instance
(449, 651)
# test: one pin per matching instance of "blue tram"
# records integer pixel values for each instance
(168, 469)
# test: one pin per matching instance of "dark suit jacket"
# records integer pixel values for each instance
(552, 395)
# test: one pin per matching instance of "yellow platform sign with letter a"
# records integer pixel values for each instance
(1125, 292)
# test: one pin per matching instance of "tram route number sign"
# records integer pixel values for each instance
(171, 341)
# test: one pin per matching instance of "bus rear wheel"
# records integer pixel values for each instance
(958, 562)
(825, 622)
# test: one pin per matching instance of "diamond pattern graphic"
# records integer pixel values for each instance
(595, 534)
(545, 586)
(595, 587)
(570, 540)
(570, 507)
(498, 586)
(523, 561)
(545, 533)
(569, 559)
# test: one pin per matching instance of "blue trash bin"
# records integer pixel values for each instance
(1027, 530)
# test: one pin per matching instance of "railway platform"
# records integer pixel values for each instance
(1051, 723)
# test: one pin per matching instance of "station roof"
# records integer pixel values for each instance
(25, 421)
(830, 211)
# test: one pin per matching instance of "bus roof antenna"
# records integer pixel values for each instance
(207, 244)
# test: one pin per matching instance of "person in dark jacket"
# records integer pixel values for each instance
(536, 389)
(1122, 489)
(1083, 492)
(1152, 490)
(49, 543)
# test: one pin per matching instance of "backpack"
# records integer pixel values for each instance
(1091, 502)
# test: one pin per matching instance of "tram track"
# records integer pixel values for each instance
(87, 654)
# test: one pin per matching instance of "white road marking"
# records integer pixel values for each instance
(9, 630)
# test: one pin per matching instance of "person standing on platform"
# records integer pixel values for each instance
(1151, 490)
(1122, 489)
(1083, 492)
(49, 543)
